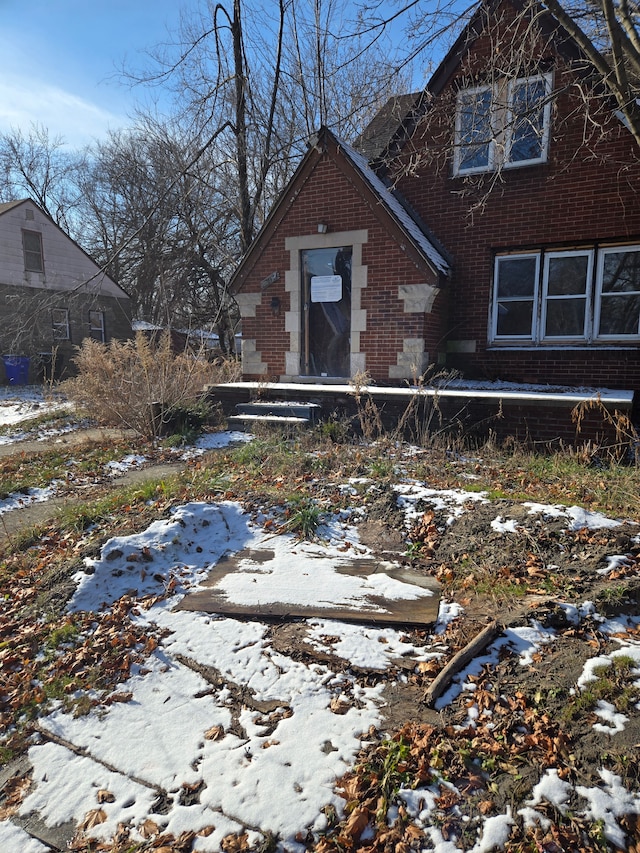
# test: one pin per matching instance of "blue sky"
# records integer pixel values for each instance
(58, 59)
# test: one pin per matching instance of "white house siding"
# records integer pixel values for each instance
(66, 266)
(70, 281)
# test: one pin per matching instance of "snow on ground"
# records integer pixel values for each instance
(20, 403)
(270, 761)
(266, 748)
(19, 500)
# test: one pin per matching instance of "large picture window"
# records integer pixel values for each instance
(586, 295)
(506, 124)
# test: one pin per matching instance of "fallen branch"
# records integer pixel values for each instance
(85, 753)
(459, 661)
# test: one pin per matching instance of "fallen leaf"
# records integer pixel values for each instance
(104, 796)
(214, 733)
(93, 818)
(149, 828)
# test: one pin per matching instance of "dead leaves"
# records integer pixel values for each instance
(425, 535)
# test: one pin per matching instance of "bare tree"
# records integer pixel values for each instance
(36, 166)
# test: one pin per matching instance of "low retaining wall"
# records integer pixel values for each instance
(526, 414)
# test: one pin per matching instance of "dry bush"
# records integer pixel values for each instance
(135, 384)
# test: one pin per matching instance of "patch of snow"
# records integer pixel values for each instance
(13, 839)
(609, 802)
(607, 712)
(455, 501)
(20, 500)
(578, 516)
(214, 441)
(373, 648)
(132, 460)
(508, 526)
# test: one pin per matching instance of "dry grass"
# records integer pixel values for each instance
(135, 384)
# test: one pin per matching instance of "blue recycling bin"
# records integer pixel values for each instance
(17, 369)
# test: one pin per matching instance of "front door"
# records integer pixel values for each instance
(326, 307)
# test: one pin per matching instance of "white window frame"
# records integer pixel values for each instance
(501, 120)
(610, 250)
(548, 299)
(27, 253)
(534, 298)
(95, 328)
(543, 301)
(511, 118)
(60, 324)
(459, 146)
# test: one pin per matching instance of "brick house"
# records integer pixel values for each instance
(52, 294)
(490, 224)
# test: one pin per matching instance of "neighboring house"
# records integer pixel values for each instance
(508, 249)
(52, 295)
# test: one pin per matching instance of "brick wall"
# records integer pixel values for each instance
(588, 191)
(328, 195)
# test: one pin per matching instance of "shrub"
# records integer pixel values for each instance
(137, 384)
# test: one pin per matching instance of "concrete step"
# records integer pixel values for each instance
(284, 409)
(245, 423)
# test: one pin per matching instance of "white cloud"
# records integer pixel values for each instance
(25, 101)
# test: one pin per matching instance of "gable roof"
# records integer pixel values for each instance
(396, 120)
(10, 205)
(549, 26)
(398, 209)
(383, 130)
(383, 201)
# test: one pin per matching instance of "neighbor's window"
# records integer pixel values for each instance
(60, 324)
(554, 297)
(96, 325)
(502, 125)
(32, 249)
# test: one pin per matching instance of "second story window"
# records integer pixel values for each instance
(32, 249)
(503, 125)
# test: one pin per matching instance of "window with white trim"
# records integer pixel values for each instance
(32, 251)
(60, 324)
(96, 325)
(586, 295)
(618, 294)
(506, 125)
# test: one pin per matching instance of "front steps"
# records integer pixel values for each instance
(283, 415)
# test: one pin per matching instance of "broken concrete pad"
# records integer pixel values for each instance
(415, 601)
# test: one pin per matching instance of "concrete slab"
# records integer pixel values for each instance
(419, 608)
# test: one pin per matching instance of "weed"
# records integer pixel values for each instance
(303, 517)
(61, 635)
(613, 683)
(334, 430)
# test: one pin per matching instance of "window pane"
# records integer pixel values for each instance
(621, 272)
(516, 276)
(32, 247)
(620, 315)
(474, 123)
(565, 318)
(514, 318)
(567, 275)
(527, 116)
